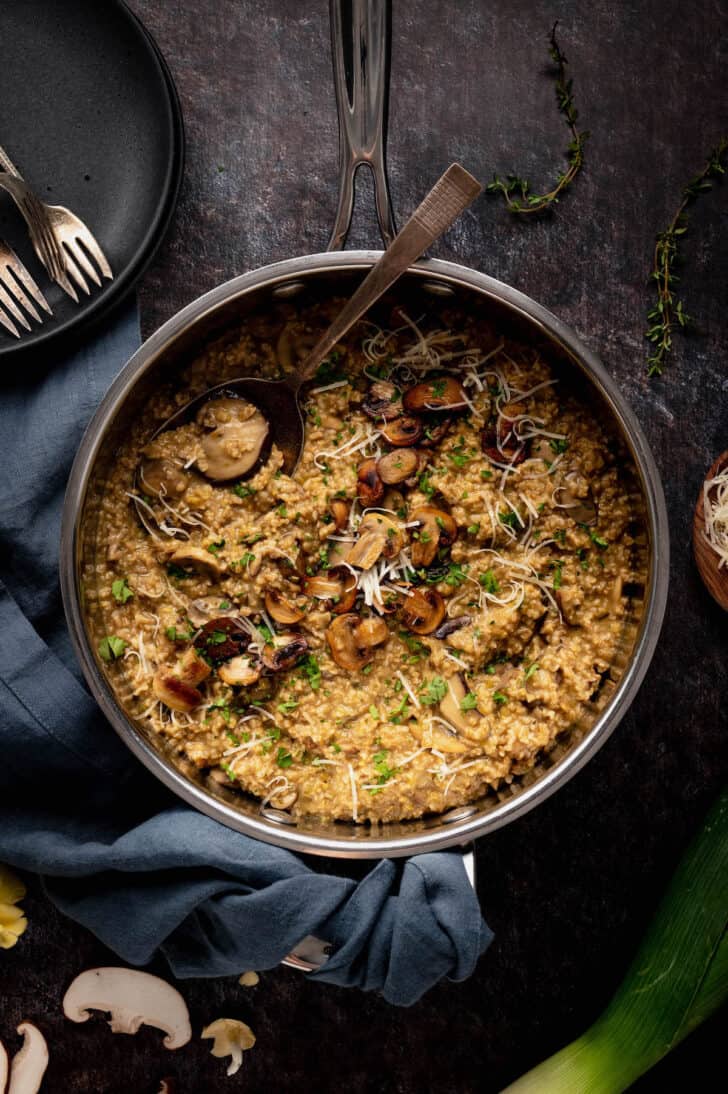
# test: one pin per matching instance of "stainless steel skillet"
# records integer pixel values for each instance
(360, 55)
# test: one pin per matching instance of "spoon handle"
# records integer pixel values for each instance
(446, 200)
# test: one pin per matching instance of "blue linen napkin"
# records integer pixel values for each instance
(119, 853)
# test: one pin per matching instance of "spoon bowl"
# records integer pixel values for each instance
(715, 578)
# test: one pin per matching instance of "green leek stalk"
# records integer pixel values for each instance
(678, 978)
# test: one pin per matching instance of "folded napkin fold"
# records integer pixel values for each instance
(120, 854)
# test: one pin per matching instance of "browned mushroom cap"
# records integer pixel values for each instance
(576, 498)
(285, 651)
(437, 529)
(403, 432)
(241, 671)
(451, 625)
(437, 394)
(282, 610)
(174, 693)
(451, 707)
(436, 426)
(220, 639)
(395, 500)
(501, 445)
(383, 401)
(193, 668)
(338, 587)
(197, 558)
(369, 487)
(339, 508)
(398, 465)
(237, 433)
(383, 524)
(162, 476)
(423, 611)
(352, 640)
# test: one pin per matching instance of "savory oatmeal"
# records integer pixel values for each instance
(410, 619)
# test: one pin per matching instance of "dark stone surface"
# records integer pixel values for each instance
(570, 888)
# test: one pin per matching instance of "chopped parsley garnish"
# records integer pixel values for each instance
(456, 574)
(111, 647)
(121, 591)
(221, 705)
(284, 758)
(558, 567)
(312, 669)
(329, 371)
(489, 581)
(434, 691)
(560, 535)
(215, 548)
(599, 540)
(473, 529)
(438, 388)
(469, 701)
(228, 771)
(531, 669)
(485, 475)
(335, 747)
(399, 713)
(288, 706)
(509, 518)
(559, 446)
(383, 770)
(224, 605)
(282, 511)
(243, 490)
(459, 454)
(499, 698)
(178, 636)
(583, 560)
(245, 561)
(425, 484)
(374, 712)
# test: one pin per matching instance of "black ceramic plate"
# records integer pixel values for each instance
(90, 117)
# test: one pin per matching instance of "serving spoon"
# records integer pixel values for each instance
(278, 400)
(714, 578)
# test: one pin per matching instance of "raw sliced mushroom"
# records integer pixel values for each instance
(436, 529)
(436, 394)
(4, 1066)
(403, 432)
(339, 508)
(174, 693)
(29, 1063)
(351, 640)
(281, 609)
(163, 476)
(383, 401)
(193, 669)
(451, 625)
(233, 445)
(285, 651)
(369, 486)
(220, 639)
(464, 721)
(230, 1038)
(399, 465)
(423, 611)
(241, 671)
(197, 558)
(338, 587)
(133, 999)
(203, 609)
(576, 498)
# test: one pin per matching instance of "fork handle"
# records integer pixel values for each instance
(450, 195)
(7, 164)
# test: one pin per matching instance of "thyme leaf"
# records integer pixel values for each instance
(516, 191)
(668, 314)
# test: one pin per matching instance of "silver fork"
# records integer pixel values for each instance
(16, 289)
(71, 241)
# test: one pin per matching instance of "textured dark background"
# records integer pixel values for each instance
(570, 888)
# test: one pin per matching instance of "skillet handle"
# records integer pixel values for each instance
(360, 51)
(312, 953)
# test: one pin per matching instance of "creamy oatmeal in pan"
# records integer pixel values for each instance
(413, 617)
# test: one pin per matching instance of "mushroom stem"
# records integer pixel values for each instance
(29, 1064)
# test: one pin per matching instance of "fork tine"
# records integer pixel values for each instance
(83, 262)
(9, 326)
(22, 299)
(91, 244)
(27, 283)
(74, 272)
(7, 301)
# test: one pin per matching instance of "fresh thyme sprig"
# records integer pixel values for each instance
(669, 312)
(517, 191)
